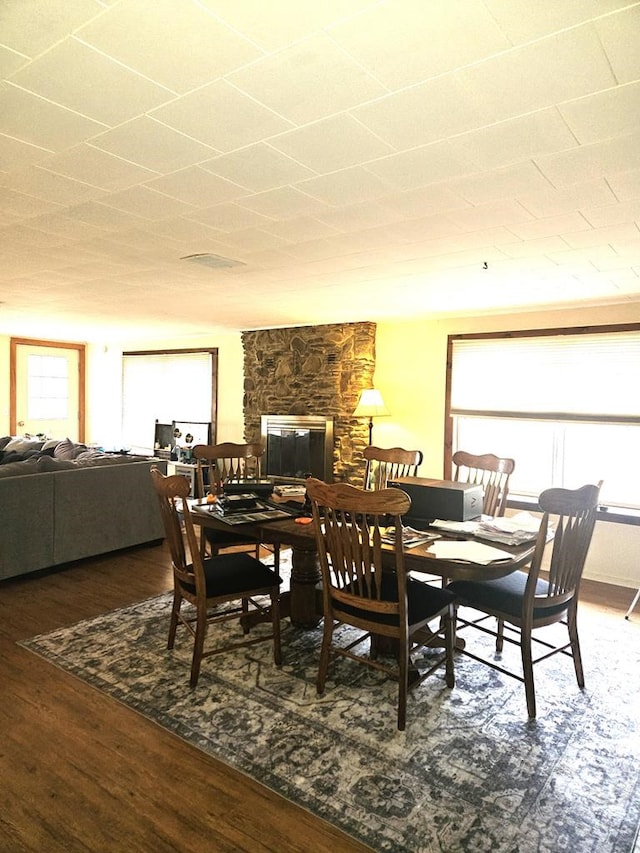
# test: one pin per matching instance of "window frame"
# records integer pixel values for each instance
(624, 514)
(213, 354)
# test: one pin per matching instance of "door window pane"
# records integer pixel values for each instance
(48, 388)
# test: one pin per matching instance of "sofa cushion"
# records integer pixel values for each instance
(48, 463)
(90, 453)
(21, 445)
(17, 469)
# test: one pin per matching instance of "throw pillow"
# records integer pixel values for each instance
(67, 449)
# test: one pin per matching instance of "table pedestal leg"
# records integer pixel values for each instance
(305, 605)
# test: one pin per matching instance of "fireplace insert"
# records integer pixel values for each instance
(297, 446)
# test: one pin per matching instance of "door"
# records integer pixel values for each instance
(47, 389)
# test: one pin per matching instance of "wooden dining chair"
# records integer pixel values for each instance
(384, 464)
(217, 464)
(524, 601)
(489, 471)
(357, 591)
(221, 588)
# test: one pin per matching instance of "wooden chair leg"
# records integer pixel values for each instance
(572, 625)
(323, 667)
(275, 617)
(403, 685)
(198, 645)
(173, 624)
(244, 622)
(500, 636)
(527, 669)
(450, 642)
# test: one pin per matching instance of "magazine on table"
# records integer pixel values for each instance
(258, 513)
(410, 537)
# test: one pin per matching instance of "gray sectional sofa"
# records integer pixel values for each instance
(61, 501)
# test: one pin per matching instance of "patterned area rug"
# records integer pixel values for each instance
(470, 773)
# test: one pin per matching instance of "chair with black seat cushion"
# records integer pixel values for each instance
(220, 588)
(524, 601)
(491, 472)
(378, 601)
(217, 464)
(387, 463)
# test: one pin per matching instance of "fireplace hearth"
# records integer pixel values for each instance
(297, 446)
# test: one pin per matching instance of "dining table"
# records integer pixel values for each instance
(302, 604)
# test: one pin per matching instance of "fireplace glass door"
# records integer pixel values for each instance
(297, 446)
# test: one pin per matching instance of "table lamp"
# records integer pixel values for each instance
(370, 405)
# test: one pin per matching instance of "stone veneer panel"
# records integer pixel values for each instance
(312, 370)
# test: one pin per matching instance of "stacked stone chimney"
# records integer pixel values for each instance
(312, 370)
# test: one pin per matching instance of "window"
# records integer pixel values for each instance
(48, 388)
(172, 386)
(564, 404)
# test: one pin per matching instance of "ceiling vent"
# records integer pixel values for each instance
(214, 262)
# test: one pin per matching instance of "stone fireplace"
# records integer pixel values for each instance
(312, 371)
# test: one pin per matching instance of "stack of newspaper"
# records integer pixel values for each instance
(515, 530)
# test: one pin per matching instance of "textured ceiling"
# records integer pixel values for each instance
(360, 160)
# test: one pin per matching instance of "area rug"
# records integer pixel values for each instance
(470, 773)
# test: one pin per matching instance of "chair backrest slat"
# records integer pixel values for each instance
(388, 463)
(349, 525)
(491, 472)
(227, 462)
(172, 491)
(573, 515)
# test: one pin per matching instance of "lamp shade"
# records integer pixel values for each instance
(370, 405)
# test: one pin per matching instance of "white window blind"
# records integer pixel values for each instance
(568, 376)
(165, 387)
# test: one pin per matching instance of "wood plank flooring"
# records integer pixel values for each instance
(80, 772)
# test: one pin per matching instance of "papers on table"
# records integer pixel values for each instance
(262, 512)
(515, 530)
(468, 551)
(290, 491)
(410, 537)
(467, 527)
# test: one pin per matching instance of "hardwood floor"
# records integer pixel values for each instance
(80, 772)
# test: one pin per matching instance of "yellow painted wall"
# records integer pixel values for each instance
(411, 365)
(410, 373)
